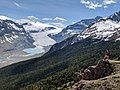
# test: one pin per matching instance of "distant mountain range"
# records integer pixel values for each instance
(29, 36)
(58, 68)
(104, 29)
(75, 29)
(13, 40)
(40, 32)
(23, 38)
(13, 36)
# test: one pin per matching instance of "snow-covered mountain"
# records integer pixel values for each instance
(4, 18)
(13, 40)
(30, 27)
(34, 37)
(105, 29)
(23, 38)
(14, 36)
(115, 17)
(75, 29)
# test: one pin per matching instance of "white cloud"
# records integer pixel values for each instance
(18, 5)
(93, 4)
(85, 2)
(107, 2)
(59, 19)
(47, 19)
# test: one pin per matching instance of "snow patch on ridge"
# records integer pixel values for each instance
(5, 18)
(101, 29)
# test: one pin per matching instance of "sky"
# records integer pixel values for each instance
(67, 11)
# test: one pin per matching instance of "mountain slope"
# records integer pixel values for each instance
(115, 17)
(104, 29)
(57, 68)
(76, 28)
(24, 39)
(13, 40)
(11, 32)
(45, 71)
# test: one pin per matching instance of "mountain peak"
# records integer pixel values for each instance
(115, 16)
(75, 28)
(4, 18)
(98, 18)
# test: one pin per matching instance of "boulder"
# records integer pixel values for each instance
(102, 69)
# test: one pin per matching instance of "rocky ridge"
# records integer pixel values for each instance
(111, 82)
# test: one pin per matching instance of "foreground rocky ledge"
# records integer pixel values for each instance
(111, 82)
(101, 69)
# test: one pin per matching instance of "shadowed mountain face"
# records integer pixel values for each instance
(91, 24)
(115, 17)
(24, 39)
(13, 36)
(104, 29)
(13, 40)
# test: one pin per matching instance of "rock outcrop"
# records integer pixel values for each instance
(102, 69)
(111, 82)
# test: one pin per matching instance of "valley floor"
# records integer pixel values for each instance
(15, 57)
